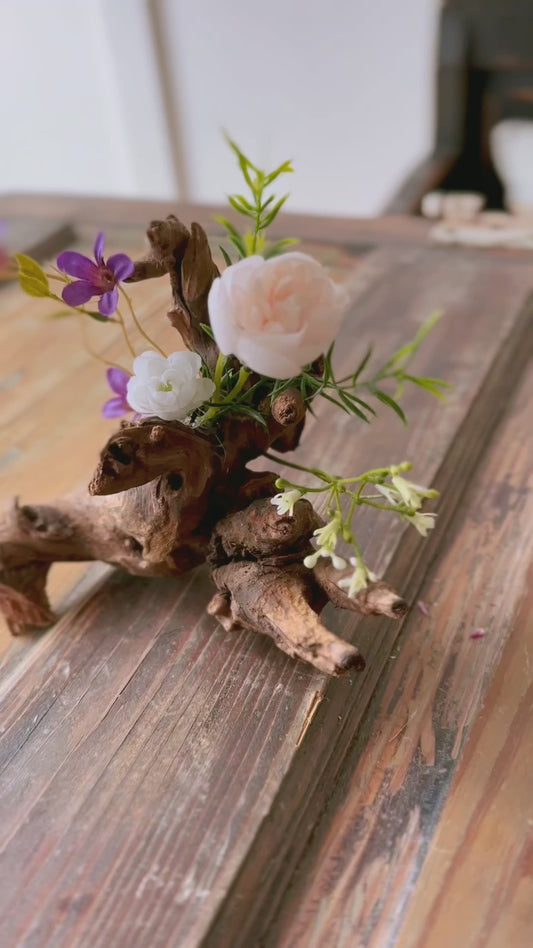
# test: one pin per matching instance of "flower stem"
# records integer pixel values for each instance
(219, 371)
(138, 325)
(88, 348)
(299, 467)
(125, 333)
(239, 385)
(58, 276)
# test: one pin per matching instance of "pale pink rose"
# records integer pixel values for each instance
(276, 315)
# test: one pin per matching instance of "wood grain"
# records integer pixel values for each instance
(362, 867)
(46, 374)
(267, 870)
(160, 777)
(103, 212)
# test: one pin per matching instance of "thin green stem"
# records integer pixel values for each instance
(239, 385)
(299, 467)
(219, 372)
(87, 346)
(57, 276)
(125, 333)
(138, 324)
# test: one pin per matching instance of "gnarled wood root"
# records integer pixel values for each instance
(166, 497)
(256, 556)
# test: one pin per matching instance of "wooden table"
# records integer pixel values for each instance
(166, 783)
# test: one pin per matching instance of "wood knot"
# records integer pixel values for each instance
(288, 408)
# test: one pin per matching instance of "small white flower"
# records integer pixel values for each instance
(168, 387)
(390, 494)
(327, 535)
(411, 494)
(338, 561)
(313, 558)
(423, 522)
(285, 501)
(359, 579)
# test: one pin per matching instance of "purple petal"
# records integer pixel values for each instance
(118, 380)
(478, 634)
(115, 407)
(121, 266)
(108, 302)
(99, 249)
(77, 265)
(78, 293)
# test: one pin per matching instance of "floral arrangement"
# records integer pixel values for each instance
(260, 340)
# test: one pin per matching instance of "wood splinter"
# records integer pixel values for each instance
(166, 497)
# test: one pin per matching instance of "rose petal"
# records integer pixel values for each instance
(121, 266)
(115, 407)
(219, 308)
(99, 248)
(117, 380)
(78, 293)
(266, 361)
(108, 302)
(276, 315)
(77, 265)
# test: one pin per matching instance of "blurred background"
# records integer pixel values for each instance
(128, 97)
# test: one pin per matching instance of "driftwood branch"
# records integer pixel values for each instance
(166, 497)
(186, 257)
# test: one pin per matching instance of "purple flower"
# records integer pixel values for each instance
(118, 382)
(94, 279)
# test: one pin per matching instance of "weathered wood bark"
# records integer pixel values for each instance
(166, 496)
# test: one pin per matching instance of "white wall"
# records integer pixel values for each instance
(129, 96)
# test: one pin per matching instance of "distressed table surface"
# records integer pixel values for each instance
(163, 782)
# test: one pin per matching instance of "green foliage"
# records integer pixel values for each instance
(383, 488)
(259, 208)
(352, 392)
(395, 367)
(34, 281)
(32, 278)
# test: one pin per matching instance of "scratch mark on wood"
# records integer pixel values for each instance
(313, 708)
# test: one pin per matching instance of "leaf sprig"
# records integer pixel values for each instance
(346, 393)
(35, 282)
(383, 488)
(258, 208)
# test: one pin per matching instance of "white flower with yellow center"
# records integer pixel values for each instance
(168, 387)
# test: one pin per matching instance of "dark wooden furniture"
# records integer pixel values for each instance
(165, 783)
(485, 75)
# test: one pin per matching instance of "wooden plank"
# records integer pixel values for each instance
(267, 870)
(36, 236)
(43, 364)
(475, 884)
(364, 863)
(150, 752)
(104, 212)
